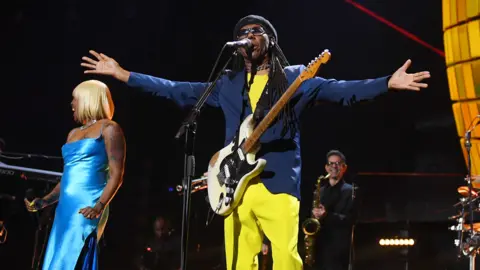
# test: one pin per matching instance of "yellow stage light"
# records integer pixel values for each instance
(461, 28)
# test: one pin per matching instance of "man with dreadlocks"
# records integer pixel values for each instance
(270, 204)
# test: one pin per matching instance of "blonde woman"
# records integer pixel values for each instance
(94, 158)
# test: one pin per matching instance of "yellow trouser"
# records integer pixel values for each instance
(261, 212)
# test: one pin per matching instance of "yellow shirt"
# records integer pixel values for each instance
(256, 89)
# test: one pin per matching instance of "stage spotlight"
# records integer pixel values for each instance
(396, 242)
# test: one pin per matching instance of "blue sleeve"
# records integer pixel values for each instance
(345, 92)
(182, 93)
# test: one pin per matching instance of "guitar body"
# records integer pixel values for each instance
(230, 170)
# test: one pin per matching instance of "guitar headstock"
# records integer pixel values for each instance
(314, 65)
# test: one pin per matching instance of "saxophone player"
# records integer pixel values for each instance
(335, 213)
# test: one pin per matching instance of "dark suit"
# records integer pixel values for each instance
(333, 240)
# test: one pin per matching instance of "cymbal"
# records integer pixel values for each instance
(476, 227)
(463, 190)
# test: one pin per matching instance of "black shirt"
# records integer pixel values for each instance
(333, 239)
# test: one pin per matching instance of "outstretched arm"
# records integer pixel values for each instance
(346, 92)
(349, 92)
(183, 93)
(116, 151)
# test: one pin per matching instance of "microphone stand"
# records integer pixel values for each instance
(351, 255)
(468, 146)
(42, 227)
(188, 129)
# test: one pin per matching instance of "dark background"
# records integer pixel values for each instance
(42, 45)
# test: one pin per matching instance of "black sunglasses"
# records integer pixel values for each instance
(256, 31)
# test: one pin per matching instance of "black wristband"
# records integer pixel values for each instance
(103, 205)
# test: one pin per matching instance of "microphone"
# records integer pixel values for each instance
(30, 196)
(247, 43)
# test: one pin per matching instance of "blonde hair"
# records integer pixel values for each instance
(94, 101)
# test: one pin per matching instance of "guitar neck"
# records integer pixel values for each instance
(307, 73)
(272, 114)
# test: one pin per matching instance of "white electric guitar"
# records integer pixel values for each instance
(231, 169)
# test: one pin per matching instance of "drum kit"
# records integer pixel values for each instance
(468, 241)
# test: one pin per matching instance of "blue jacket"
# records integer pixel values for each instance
(282, 172)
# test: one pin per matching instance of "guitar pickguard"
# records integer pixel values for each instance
(233, 167)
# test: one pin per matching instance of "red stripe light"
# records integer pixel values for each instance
(396, 27)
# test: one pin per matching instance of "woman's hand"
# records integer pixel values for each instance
(92, 213)
(35, 205)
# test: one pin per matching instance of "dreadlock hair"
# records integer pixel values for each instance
(276, 85)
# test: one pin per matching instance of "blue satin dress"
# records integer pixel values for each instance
(73, 238)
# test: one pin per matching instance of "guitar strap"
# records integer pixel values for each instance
(242, 113)
(262, 104)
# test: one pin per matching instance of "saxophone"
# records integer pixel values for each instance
(311, 226)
